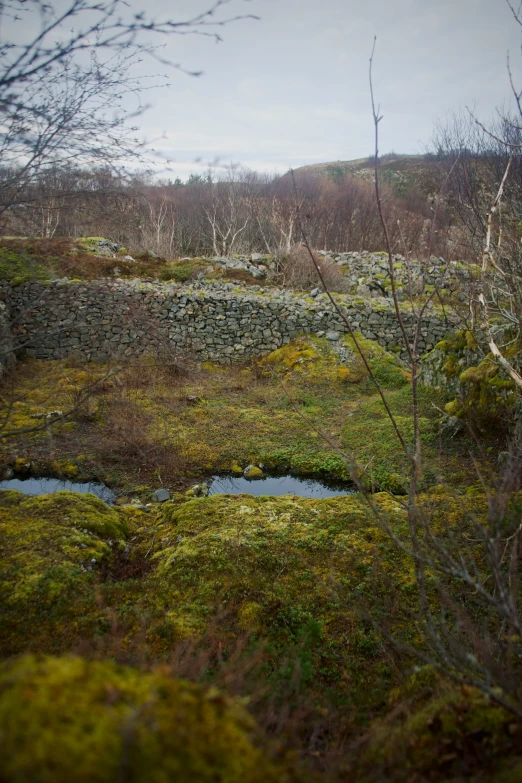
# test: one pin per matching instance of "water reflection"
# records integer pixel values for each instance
(279, 485)
(46, 486)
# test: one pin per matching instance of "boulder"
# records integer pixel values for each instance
(161, 495)
(252, 472)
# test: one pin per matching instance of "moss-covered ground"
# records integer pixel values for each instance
(298, 409)
(280, 601)
(22, 260)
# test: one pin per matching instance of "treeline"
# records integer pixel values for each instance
(438, 206)
(239, 211)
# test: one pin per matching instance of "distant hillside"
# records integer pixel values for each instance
(403, 171)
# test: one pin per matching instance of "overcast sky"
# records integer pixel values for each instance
(292, 88)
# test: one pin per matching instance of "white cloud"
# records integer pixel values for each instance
(293, 88)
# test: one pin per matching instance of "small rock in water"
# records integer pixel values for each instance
(198, 491)
(161, 495)
(253, 472)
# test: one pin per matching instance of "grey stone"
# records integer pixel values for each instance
(160, 495)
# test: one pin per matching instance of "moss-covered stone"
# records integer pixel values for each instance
(64, 719)
(483, 391)
(253, 472)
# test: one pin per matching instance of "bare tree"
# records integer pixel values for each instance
(67, 78)
(227, 212)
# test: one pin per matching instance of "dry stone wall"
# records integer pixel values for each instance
(367, 274)
(217, 321)
(6, 339)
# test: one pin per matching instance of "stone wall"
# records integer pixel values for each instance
(367, 274)
(7, 357)
(218, 321)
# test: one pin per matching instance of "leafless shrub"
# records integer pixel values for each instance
(466, 560)
(298, 271)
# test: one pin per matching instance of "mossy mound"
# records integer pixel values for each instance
(308, 357)
(51, 550)
(253, 472)
(316, 360)
(388, 370)
(64, 719)
(183, 271)
(440, 732)
(76, 509)
(289, 570)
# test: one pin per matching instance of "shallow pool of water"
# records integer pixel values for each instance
(278, 485)
(46, 486)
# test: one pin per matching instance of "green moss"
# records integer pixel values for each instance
(370, 435)
(314, 359)
(51, 550)
(297, 355)
(75, 509)
(253, 472)
(485, 394)
(18, 267)
(448, 734)
(280, 567)
(294, 572)
(181, 271)
(64, 719)
(387, 369)
(22, 465)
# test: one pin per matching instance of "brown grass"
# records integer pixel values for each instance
(59, 257)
